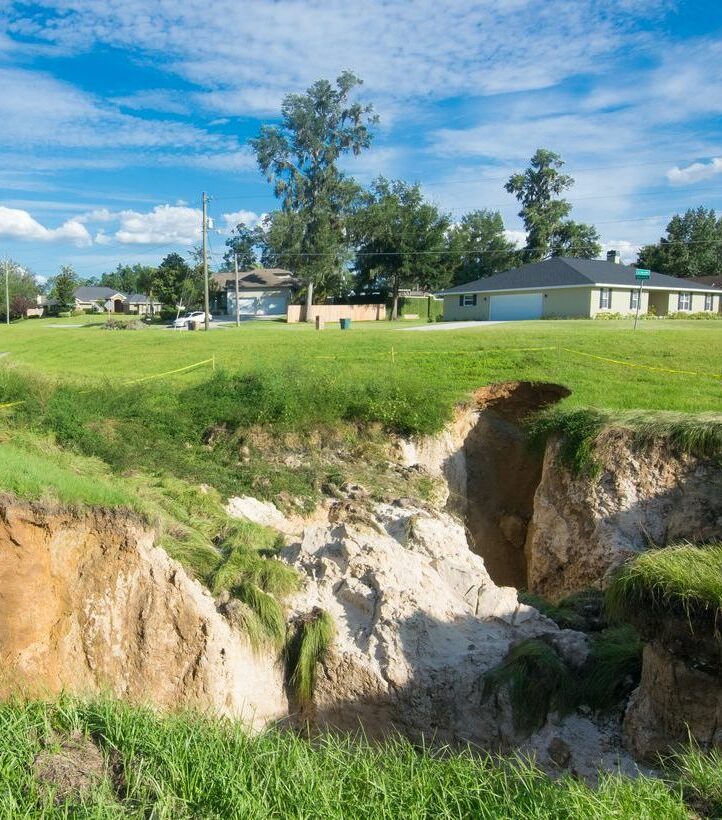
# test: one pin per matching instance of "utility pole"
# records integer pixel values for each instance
(206, 297)
(238, 306)
(6, 265)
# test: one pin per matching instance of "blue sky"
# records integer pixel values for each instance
(116, 114)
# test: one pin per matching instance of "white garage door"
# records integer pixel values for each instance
(516, 306)
(272, 306)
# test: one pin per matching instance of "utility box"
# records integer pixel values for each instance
(320, 324)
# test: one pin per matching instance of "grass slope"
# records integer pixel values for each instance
(186, 766)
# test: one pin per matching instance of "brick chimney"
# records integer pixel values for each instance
(614, 257)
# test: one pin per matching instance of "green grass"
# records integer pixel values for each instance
(700, 772)
(35, 469)
(536, 679)
(539, 681)
(186, 766)
(451, 363)
(581, 610)
(294, 380)
(267, 622)
(306, 648)
(683, 580)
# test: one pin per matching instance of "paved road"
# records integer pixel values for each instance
(450, 325)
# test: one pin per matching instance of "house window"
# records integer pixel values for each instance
(605, 298)
(467, 300)
(684, 301)
(708, 301)
(633, 299)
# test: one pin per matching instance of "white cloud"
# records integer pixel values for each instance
(57, 125)
(165, 224)
(517, 237)
(97, 215)
(403, 50)
(20, 225)
(627, 250)
(249, 218)
(695, 172)
(154, 99)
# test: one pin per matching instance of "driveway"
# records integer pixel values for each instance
(450, 325)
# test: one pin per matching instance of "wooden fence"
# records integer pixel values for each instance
(332, 313)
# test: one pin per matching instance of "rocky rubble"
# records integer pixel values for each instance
(418, 623)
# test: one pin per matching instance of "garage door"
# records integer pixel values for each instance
(516, 306)
(272, 306)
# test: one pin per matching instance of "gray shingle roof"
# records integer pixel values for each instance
(91, 294)
(139, 299)
(563, 270)
(257, 279)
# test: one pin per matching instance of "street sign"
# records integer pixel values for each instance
(640, 274)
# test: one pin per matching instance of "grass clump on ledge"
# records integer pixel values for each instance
(683, 580)
(306, 648)
(582, 432)
(185, 766)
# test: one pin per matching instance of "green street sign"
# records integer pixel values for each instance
(640, 274)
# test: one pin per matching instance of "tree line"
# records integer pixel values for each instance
(340, 238)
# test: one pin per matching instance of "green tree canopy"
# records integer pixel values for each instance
(576, 239)
(478, 246)
(401, 239)
(242, 245)
(544, 211)
(692, 246)
(22, 289)
(300, 157)
(130, 278)
(175, 282)
(63, 288)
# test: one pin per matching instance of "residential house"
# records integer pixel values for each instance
(262, 292)
(568, 287)
(101, 300)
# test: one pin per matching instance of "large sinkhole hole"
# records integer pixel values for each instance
(502, 475)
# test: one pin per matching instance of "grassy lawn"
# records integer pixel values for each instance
(449, 363)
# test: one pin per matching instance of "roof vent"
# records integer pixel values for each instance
(614, 257)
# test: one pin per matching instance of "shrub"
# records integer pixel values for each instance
(116, 323)
(607, 314)
(705, 314)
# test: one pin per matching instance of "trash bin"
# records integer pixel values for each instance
(193, 325)
(345, 324)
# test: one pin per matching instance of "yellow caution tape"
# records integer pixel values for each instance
(643, 366)
(170, 372)
(12, 403)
